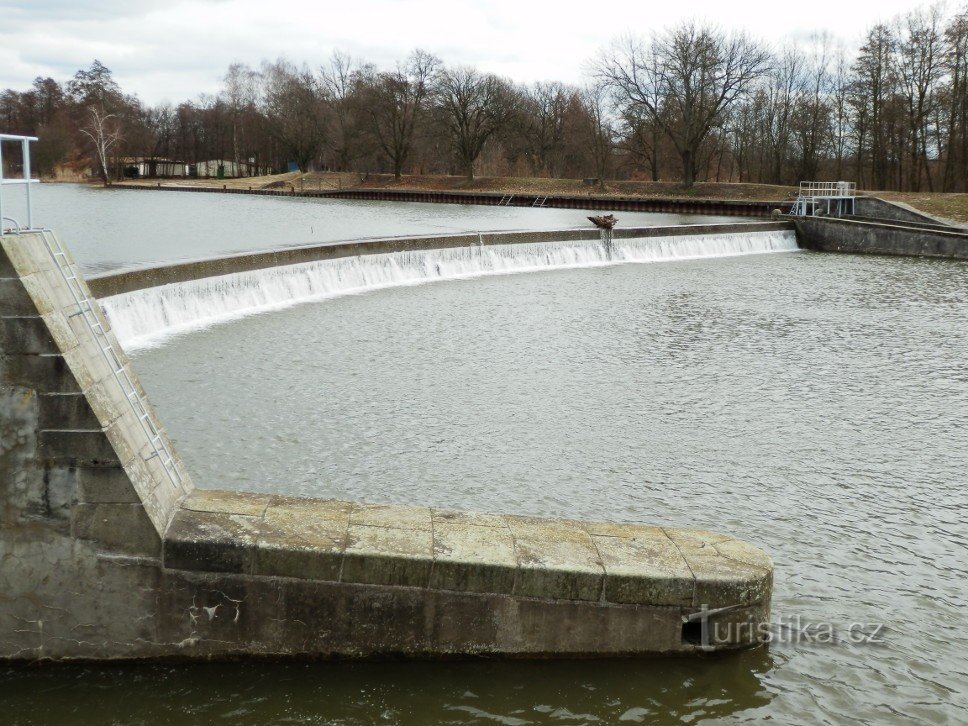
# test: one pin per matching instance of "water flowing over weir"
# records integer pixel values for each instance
(145, 317)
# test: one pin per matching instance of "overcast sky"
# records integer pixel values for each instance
(176, 49)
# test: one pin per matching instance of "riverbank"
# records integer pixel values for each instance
(337, 181)
(951, 208)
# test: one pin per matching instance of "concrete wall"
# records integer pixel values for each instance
(890, 211)
(90, 454)
(103, 558)
(118, 283)
(880, 238)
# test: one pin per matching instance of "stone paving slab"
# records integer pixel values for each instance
(421, 547)
(210, 500)
(645, 568)
(473, 558)
(387, 556)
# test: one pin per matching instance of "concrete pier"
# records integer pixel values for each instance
(104, 557)
(878, 236)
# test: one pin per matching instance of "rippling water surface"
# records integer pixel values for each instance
(815, 405)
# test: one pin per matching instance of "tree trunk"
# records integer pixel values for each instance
(688, 169)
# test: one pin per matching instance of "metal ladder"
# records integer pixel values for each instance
(85, 309)
(506, 200)
(539, 201)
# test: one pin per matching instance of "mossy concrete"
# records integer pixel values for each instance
(380, 544)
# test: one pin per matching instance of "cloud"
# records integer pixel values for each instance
(176, 49)
(59, 10)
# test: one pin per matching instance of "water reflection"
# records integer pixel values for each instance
(502, 692)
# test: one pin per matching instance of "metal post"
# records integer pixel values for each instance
(1, 186)
(26, 180)
(25, 146)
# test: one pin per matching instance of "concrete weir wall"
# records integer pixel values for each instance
(882, 237)
(103, 557)
(129, 281)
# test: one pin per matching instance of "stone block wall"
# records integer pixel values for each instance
(74, 454)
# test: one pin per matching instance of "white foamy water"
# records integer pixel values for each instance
(146, 317)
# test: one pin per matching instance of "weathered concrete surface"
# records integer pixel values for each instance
(88, 441)
(828, 234)
(892, 211)
(122, 282)
(384, 544)
(101, 557)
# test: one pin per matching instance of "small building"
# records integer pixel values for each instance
(154, 168)
(230, 169)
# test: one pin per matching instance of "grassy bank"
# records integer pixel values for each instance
(500, 185)
(952, 207)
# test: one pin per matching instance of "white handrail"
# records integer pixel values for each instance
(828, 189)
(824, 197)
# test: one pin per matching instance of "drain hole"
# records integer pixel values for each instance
(692, 632)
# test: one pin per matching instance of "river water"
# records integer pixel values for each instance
(119, 229)
(815, 405)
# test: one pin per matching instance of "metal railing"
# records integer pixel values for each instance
(86, 310)
(829, 198)
(828, 189)
(26, 180)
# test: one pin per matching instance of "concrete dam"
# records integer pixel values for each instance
(147, 305)
(110, 552)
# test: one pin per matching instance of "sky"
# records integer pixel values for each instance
(173, 50)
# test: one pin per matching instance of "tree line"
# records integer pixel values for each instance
(690, 103)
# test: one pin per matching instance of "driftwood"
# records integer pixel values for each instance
(606, 221)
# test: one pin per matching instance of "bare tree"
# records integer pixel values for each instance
(689, 103)
(104, 131)
(543, 113)
(956, 112)
(840, 98)
(238, 92)
(397, 102)
(919, 70)
(813, 119)
(342, 79)
(294, 106)
(874, 88)
(685, 80)
(599, 129)
(473, 107)
(783, 90)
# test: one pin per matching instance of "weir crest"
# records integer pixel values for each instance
(144, 317)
